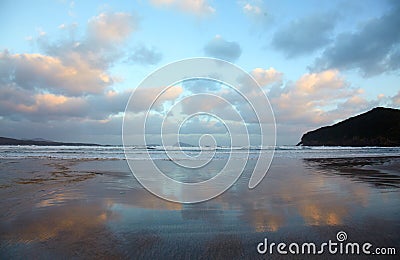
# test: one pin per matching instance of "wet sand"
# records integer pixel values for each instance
(96, 209)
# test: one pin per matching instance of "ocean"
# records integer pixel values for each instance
(158, 152)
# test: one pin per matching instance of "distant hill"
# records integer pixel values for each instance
(181, 144)
(378, 127)
(39, 141)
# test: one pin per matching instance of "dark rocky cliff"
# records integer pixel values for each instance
(378, 127)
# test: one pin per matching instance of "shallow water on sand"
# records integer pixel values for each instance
(95, 208)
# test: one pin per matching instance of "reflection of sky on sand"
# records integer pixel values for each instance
(53, 198)
(71, 222)
(286, 198)
(114, 207)
(76, 230)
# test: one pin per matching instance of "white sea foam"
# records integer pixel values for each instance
(158, 152)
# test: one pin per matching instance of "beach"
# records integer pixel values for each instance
(95, 208)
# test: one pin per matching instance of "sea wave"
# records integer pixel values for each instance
(181, 153)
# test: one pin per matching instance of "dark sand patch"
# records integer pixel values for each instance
(382, 172)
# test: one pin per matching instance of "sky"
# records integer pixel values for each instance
(67, 68)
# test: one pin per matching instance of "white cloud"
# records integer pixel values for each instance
(196, 7)
(143, 97)
(251, 9)
(257, 12)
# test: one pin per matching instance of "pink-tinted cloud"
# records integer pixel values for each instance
(72, 67)
(265, 77)
(314, 100)
(38, 71)
(306, 99)
(109, 28)
(396, 100)
(51, 105)
(19, 103)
